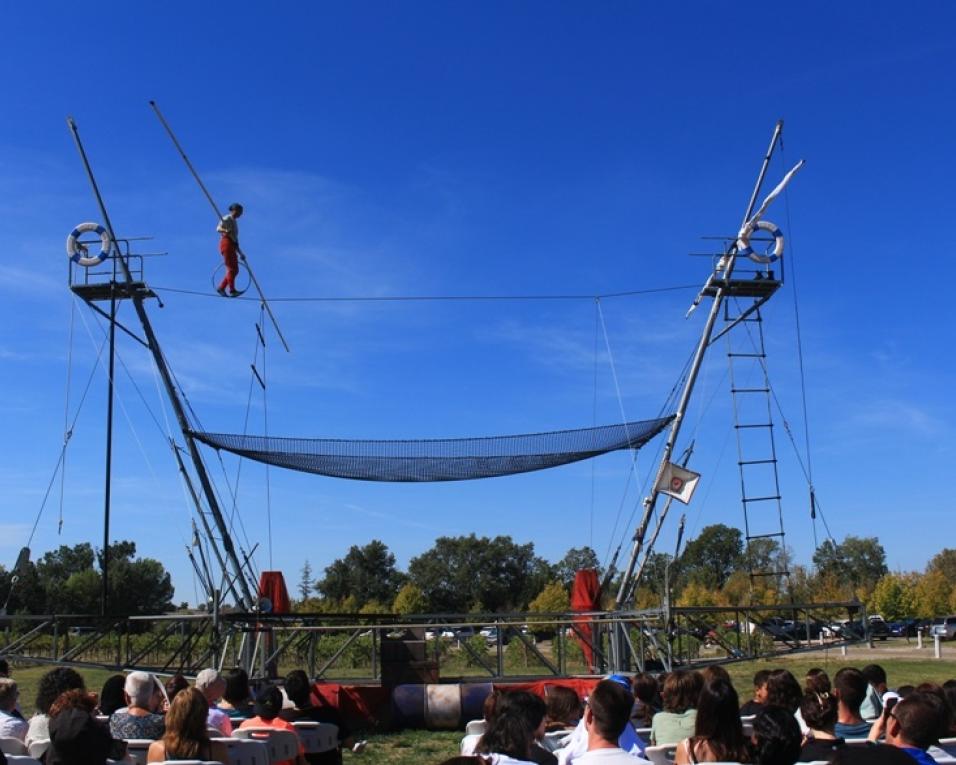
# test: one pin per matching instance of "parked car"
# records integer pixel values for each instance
(944, 626)
(904, 627)
(879, 629)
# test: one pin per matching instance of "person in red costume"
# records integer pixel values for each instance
(229, 247)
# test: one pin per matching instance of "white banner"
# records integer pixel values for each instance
(678, 482)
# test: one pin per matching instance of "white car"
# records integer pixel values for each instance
(944, 626)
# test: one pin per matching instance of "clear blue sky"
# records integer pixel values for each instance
(482, 148)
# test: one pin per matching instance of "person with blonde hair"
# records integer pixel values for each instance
(186, 737)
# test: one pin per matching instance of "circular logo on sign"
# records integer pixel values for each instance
(677, 483)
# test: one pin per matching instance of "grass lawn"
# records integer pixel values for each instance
(903, 665)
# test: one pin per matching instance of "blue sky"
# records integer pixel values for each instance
(386, 149)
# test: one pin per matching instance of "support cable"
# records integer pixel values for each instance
(66, 411)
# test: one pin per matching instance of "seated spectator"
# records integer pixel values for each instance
(186, 737)
(776, 737)
(11, 724)
(718, 734)
(783, 690)
(111, 697)
(509, 737)
(530, 710)
(563, 709)
(679, 695)
(76, 737)
(905, 690)
(267, 708)
(174, 685)
(646, 699)
(577, 744)
(237, 698)
(468, 743)
(817, 683)
(872, 706)
(949, 689)
(4, 668)
(299, 690)
(913, 725)
(819, 712)
(849, 686)
(759, 696)
(52, 684)
(606, 717)
(211, 685)
(140, 718)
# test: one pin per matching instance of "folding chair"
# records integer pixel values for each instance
(21, 759)
(282, 744)
(11, 745)
(661, 755)
(475, 727)
(137, 749)
(317, 737)
(246, 751)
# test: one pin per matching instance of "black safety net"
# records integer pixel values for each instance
(445, 459)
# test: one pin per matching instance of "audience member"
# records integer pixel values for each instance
(141, 718)
(818, 710)
(776, 737)
(11, 724)
(849, 686)
(783, 690)
(186, 737)
(905, 690)
(563, 709)
(508, 739)
(872, 706)
(4, 668)
(211, 685)
(759, 696)
(469, 742)
(606, 717)
(51, 685)
(237, 698)
(676, 721)
(111, 697)
(267, 708)
(949, 689)
(629, 741)
(299, 690)
(646, 699)
(913, 725)
(174, 685)
(76, 737)
(530, 709)
(718, 734)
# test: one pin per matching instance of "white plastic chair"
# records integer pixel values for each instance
(282, 744)
(475, 728)
(317, 737)
(246, 751)
(11, 745)
(661, 755)
(38, 748)
(21, 759)
(948, 745)
(136, 748)
(555, 739)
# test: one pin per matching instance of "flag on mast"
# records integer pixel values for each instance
(678, 482)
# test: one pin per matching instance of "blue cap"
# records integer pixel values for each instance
(622, 680)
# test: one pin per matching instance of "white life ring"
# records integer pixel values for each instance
(79, 254)
(743, 242)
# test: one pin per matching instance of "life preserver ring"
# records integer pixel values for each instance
(743, 242)
(79, 254)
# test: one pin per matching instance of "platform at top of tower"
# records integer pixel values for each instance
(94, 292)
(756, 288)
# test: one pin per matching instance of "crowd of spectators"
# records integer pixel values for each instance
(72, 726)
(691, 716)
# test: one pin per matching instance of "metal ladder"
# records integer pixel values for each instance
(756, 447)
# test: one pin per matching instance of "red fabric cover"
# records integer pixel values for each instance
(272, 586)
(580, 685)
(361, 706)
(585, 596)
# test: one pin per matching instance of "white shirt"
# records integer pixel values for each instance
(12, 726)
(615, 756)
(39, 728)
(629, 742)
(504, 759)
(229, 226)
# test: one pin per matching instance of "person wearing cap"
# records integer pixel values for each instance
(267, 707)
(212, 685)
(140, 718)
(229, 248)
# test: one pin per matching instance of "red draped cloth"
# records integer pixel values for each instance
(585, 596)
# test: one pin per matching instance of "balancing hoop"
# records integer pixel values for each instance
(220, 272)
(743, 241)
(79, 254)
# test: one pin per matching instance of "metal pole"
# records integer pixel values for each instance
(105, 595)
(160, 362)
(215, 207)
(651, 500)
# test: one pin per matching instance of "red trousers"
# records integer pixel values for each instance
(231, 258)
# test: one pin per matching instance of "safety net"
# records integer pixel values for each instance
(445, 459)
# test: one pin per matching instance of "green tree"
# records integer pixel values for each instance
(364, 574)
(894, 596)
(306, 583)
(574, 560)
(554, 598)
(932, 595)
(945, 563)
(713, 556)
(410, 600)
(859, 562)
(458, 573)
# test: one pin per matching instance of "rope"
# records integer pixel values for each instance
(265, 425)
(66, 410)
(434, 298)
(594, 403)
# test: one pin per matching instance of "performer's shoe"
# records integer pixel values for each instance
(221, 291)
